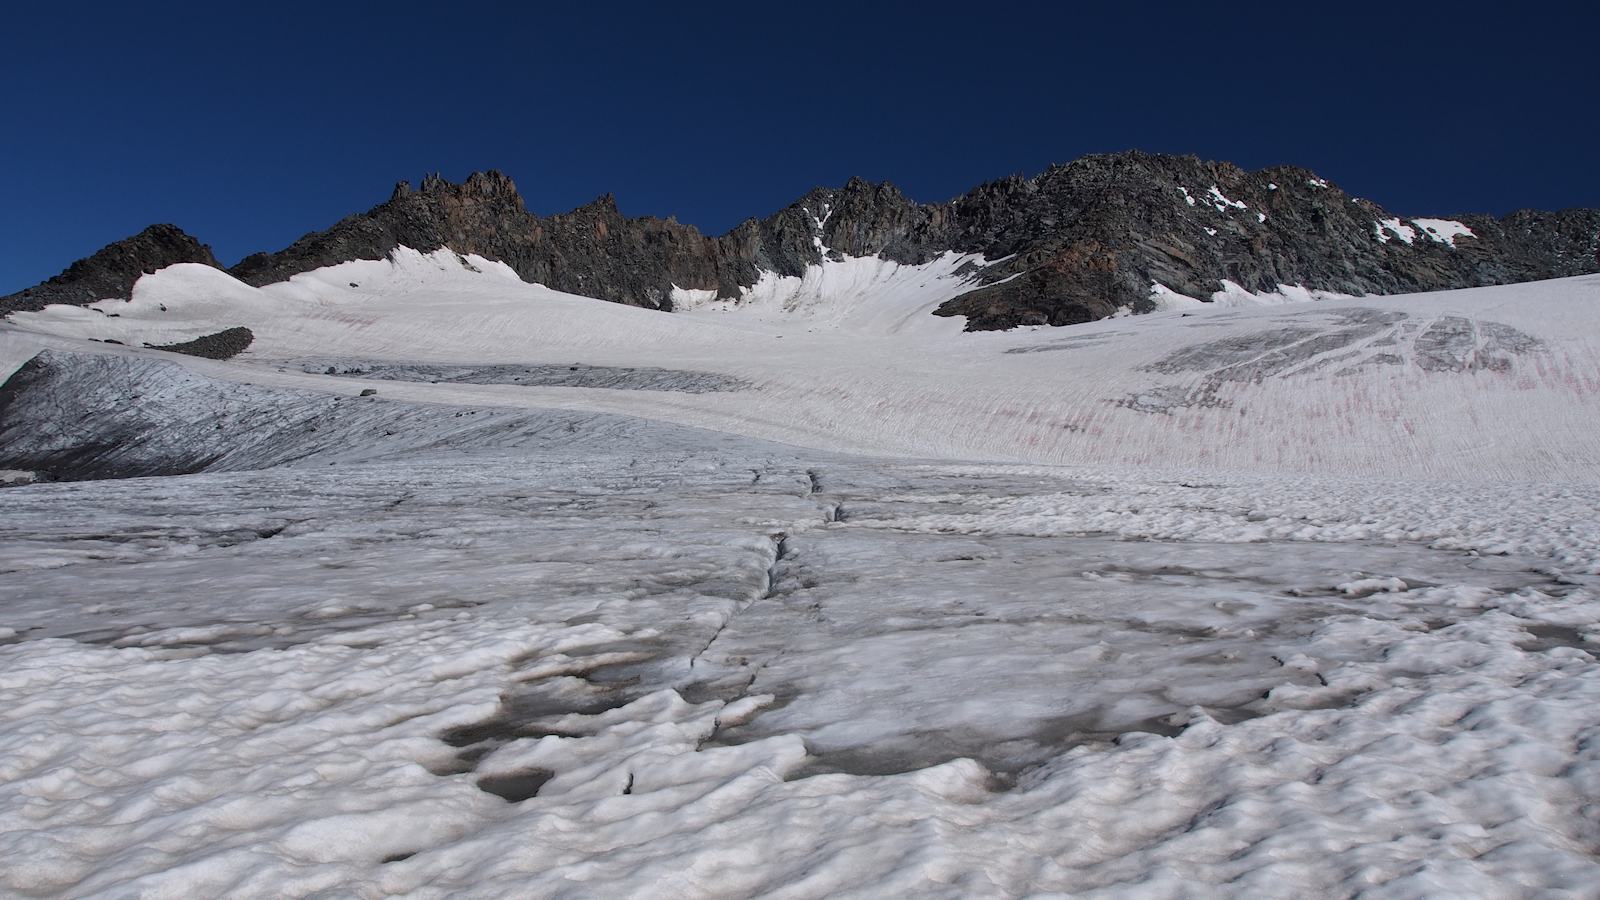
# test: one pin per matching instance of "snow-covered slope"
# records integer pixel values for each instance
(624, 665)
(1299, 600)
(863, 295)
(1490, 383)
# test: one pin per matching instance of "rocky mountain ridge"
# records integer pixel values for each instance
(1074, 243)
(112, 270)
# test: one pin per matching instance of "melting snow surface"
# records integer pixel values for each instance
(1208, 602)
(750, 671)
(848, 358)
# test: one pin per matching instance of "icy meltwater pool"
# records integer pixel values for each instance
(806, 674)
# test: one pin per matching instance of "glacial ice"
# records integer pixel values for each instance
(1223, 600)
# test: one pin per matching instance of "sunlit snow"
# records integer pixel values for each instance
(1222, 203)
(804, 593)
(1445, 231)
(1386, 227)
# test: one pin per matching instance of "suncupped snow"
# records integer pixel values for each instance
(455, 585)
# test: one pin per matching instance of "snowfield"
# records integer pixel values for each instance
(1498, 383)
(809, 594)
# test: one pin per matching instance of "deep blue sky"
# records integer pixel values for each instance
(249, 127)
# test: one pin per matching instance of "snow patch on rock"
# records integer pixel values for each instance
(1386, 227)
(1444, 231)
(1232, 294)
(1221, 203)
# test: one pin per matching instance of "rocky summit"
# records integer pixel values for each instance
(1075, 243)
(113, 269)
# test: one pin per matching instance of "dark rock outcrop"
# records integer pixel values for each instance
(592, 250)
(225, 344)
(1094, 234)
(113, 269)
(1075, 243)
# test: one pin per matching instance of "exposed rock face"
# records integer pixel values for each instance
(225, 344)
(112, 270)
(1092, 236)
(1078, 241)
(592, 250)
(1075, 243)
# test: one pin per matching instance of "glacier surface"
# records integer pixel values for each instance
(796, 599)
